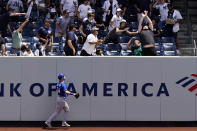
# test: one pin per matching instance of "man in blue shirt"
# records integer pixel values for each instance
(45, 36)
(71, 42)
(61, 102)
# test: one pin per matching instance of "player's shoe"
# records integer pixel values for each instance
(65, 124)
(48, 124)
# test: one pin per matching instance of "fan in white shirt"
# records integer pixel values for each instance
(176, 17)
(91, 42)
(69, 5)
(83, 10)
(116, 19)
(163, 9)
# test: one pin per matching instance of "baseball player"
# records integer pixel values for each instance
(61, 101)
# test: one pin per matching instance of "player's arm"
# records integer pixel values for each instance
(69, 93)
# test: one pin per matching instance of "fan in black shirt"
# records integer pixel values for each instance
(146, 36)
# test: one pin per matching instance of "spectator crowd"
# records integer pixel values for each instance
(85, 27)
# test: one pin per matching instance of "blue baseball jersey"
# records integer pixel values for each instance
(61, 87)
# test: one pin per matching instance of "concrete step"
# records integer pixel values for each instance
(192, 11)
(184, 42)
(192, 4)
(194, 27)
(187, 52)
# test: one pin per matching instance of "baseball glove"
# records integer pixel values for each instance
(76, 95)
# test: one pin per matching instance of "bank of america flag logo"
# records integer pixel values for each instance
(189, 82)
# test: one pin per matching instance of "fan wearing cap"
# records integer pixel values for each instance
(114, 35)
(17, 39)
(61, 101)
(116, 19)
(91, 43)
(146, 36)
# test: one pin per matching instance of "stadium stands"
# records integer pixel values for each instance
(165, 46)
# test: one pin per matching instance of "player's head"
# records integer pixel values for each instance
(61, 77)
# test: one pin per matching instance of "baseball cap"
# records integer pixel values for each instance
(123, 20)
(60, 76)
(119, 9)
(52, 10)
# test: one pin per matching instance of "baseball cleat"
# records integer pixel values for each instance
(65, 124)
(48, 124)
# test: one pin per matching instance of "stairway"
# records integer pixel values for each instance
(188, 26)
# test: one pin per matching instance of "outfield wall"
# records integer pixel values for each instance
(111, 88)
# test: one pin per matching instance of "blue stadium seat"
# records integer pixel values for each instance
(53, 54)
(8, 46)
(35, 40)
(157, 47)
(80, 47)
(8, 39)
(124, 39)
(124, 46)
(168, 47)
(170, 53)
(32, 46)
(78, 53)
(167, 40)
(157, 39)
(113, 53)
(27, 39)
(159, 53)
(113, 47)
(55, 47)
(125, 52)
